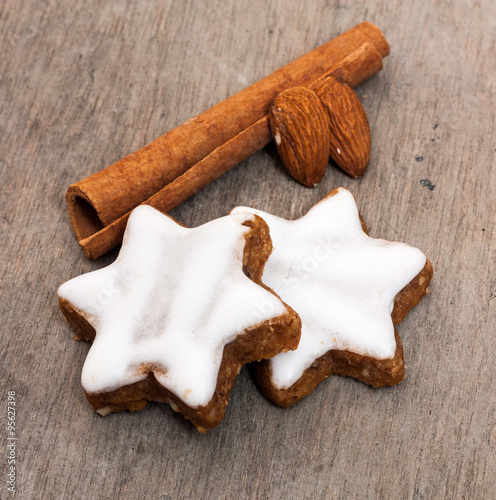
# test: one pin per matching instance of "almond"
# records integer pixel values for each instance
(350, 132)
(300, 128)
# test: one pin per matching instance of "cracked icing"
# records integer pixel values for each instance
(171, 301)
(340, 281)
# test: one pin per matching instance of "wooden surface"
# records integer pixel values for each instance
(84, 83)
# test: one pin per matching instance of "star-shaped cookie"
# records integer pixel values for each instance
(349, 290)
(178, 313)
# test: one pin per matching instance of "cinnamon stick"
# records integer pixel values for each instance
(353, 69)
(102, 198)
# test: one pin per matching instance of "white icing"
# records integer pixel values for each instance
(340, 281)
(171, 301)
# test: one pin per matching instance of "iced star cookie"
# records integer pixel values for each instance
(350, 291)
(178, 313)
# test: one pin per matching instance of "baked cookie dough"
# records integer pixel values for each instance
(177, 315)
(350, 291)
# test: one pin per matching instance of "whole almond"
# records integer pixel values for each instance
(350, 132)
(300, 127)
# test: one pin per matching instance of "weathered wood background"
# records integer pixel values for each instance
(84, 83)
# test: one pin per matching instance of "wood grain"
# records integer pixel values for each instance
(83, 84)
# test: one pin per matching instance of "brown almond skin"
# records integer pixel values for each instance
(350, 141)
(300, 127)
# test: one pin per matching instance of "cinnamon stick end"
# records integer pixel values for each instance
(84, 217)
(377, 38)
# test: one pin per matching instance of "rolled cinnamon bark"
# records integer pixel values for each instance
(104, 197)
(354, 69)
